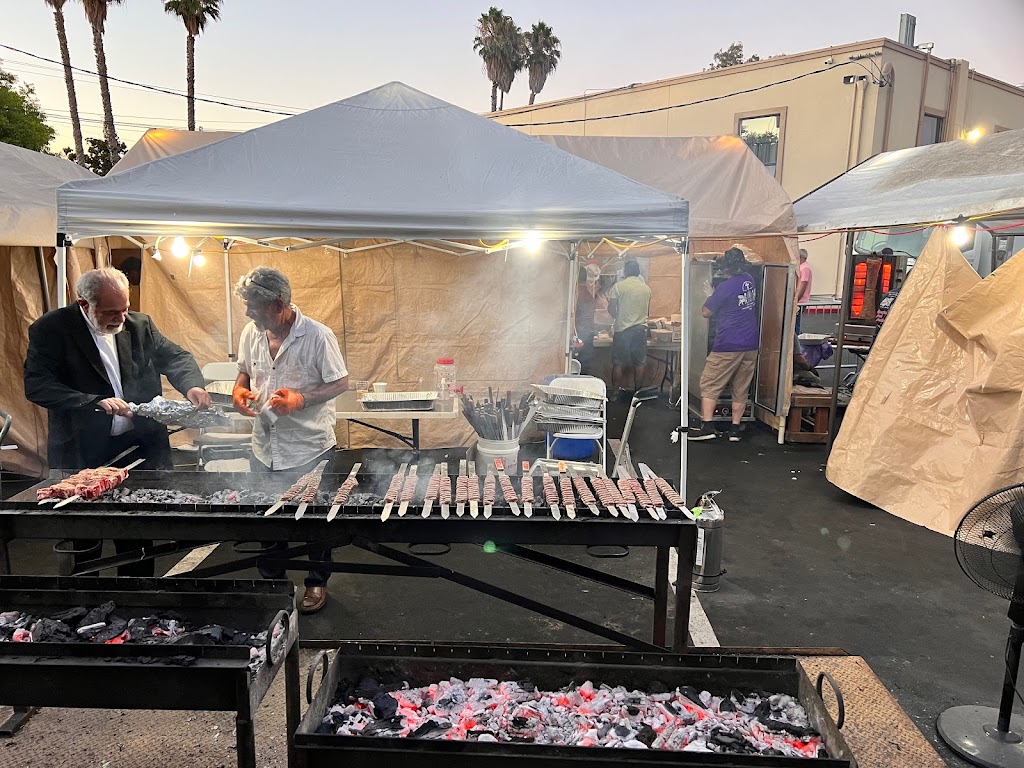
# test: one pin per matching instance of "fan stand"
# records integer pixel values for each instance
(987, 736)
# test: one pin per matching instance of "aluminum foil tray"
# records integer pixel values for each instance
(398, 401)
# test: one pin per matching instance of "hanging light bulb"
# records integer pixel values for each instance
(199, 259)
(533, 242)
(179, 247)
(157, 256)
(960, 235)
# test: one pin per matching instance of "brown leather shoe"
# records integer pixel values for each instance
(314, 599)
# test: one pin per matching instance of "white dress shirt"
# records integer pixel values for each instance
(111, 363)
(309, 357)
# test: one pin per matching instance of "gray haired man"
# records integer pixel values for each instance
(290, 370)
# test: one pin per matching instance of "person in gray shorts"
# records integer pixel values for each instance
(629, 302)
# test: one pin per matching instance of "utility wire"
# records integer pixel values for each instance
(678, 106)
(147, 87)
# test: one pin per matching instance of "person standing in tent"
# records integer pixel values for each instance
(629, 302)
(85, 364)
(290, 370)
(733, 357)
(805, 277)
(586, 308)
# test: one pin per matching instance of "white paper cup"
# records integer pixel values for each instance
(380, 387)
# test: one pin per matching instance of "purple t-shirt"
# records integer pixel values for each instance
(734, 306)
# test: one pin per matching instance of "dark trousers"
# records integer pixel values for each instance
(316, 577)
(155, 456)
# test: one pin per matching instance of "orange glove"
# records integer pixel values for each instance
(241, 397)
(286, 401)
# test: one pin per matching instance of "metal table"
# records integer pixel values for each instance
(670, 360)
(348, 409)
(190, 525)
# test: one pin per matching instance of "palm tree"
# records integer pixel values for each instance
(96, 13)
(501, 45)
(543, 52)
(195, 14)
(69, 79)
(488, 44)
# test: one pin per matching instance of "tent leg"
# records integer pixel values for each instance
(227, 303)
(843, 312)
(684, 368)
(62, 270)
(570, 306)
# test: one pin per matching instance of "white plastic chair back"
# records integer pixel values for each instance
(226, 371)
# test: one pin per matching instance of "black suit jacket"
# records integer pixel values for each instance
(64, 374)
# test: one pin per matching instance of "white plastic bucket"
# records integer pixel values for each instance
(486, 451)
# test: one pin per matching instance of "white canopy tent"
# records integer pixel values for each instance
(392, 164)
(922, 185)
(164, 142)
(28, 183)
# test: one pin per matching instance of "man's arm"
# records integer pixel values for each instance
(43, 385)
(325, 392)
(800, 288)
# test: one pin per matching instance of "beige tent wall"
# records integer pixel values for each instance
(394, 309)
(937, 418)
(21, 302)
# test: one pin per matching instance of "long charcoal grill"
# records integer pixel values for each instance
(22, 517)
(151, 676)
(549, 668)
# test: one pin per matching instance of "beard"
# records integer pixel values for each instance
(109, 330)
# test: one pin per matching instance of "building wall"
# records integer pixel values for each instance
(827, 125)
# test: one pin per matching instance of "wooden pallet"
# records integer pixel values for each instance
(808, 415)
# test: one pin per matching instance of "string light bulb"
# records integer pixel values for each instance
(533, 242)
(960, 235)
(199, 259)
(179, 247)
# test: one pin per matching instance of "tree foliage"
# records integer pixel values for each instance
(731, 56)
(543, 50)
(97, 157)
(502, 46)
(22, 120)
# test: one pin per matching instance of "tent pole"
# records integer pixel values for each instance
(570, 305)
(227, 303)
(684, 367)
(844, 310)
(62, 270)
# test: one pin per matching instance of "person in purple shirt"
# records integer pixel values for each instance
(733, 357)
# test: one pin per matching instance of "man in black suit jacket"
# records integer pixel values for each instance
(86, 363)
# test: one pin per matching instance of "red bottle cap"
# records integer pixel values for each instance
(446, 361)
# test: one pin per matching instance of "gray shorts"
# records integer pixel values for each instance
(629, 346)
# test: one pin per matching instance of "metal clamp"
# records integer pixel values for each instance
(282, 617)
(838, 693)
(320, 657)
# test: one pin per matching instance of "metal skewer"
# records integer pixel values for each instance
(474, 481)
(447, 480)
(460, 506)
(388, 506)
(413, 478)
(314, 483)
(527, 478)
(335, 508)
(428, 502)
(76, 497)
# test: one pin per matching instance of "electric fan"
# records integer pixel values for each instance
(988, 548)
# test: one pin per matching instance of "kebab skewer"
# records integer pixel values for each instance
(391, 495)
(607, 493)
(88, 484)
(629, 498)
(568, 498)
(526, 490)
(293, 491)
(461, 490)
(444, 494)
(509, 493)
(473, 495)
(641, 496)
(583, 491)
(408, 490)
(551, 495)
(432, 492)
(312, 488)
(344, 492)
(490, 491)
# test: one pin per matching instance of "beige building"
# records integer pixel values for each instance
(808, 116)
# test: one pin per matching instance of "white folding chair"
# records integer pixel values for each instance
(598, 433)
(223, 442)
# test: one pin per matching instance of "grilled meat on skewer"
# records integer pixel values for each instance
(568, 499)
(640, 495)
(651, 487)
(551, 495)
(309, 495)
(669, 493)
(88, 484)
(391, 495)
(408, 490)
(474, 491)
(509, 492)
(628, 498)
(433, 489)
(445, 492)
(461, 494)
(526, 491)
(606, 493)
(490, 488)
(344, 492)
(583, 491)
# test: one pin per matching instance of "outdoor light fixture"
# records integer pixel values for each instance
(157, 256)
(199, 259)
(973, 135)
(179, 247)
(533, 242)
(961, 234)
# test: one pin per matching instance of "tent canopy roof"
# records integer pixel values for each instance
(164, 142)
(391, 162)
(922, 185)
(729, 191)
(28, 200)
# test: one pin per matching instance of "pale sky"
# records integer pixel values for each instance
(305, 53)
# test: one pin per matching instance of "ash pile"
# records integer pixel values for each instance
(105, 625)
(584, 716)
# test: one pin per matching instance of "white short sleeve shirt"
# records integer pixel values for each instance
(309, 358)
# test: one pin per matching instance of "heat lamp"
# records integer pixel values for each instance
(988, 548)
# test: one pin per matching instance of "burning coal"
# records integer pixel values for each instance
(584, 716)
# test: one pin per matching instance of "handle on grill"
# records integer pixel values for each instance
(318, 660)
(822, 676)
(282, 617)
